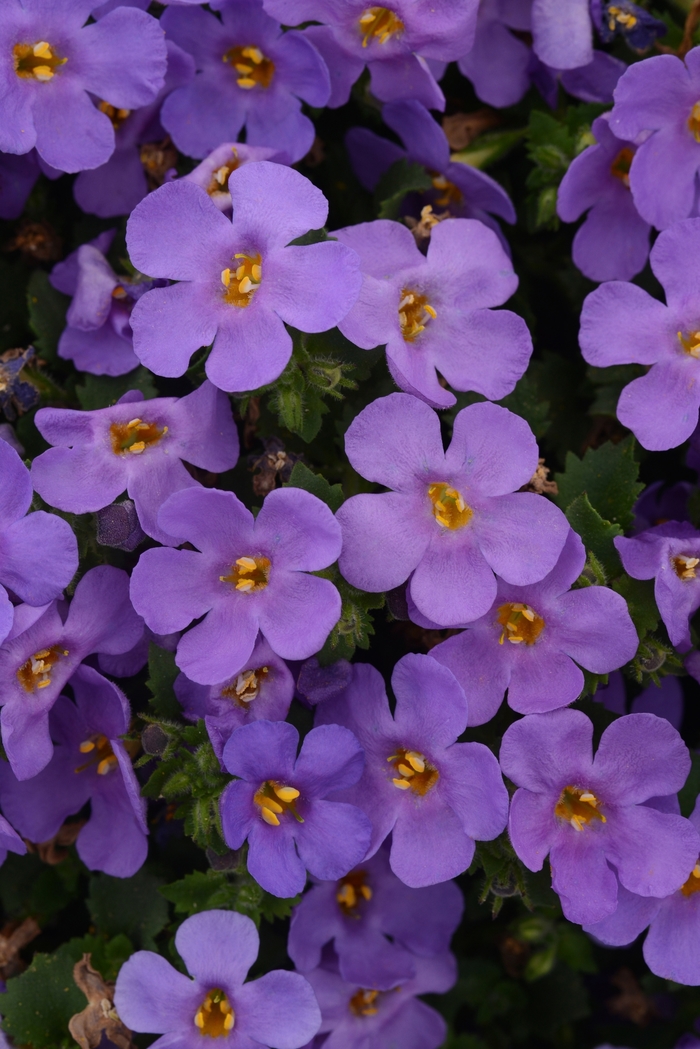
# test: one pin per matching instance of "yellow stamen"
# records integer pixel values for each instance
(620, 167)
(449, 194)
(269, 817)
(117, 116)
(102, 757)
(249, 574)
(691, 341)
(246, 686)
(415, 771)
(248, 275)
(215, 1016)
(36, 61)
(520, 623)
(685, 566)
(578, 807)
(380, 23)
(414, 313)
(286, 793)
(694, 122)
(449, 508)
(254, 69)
(36, 672)
(364, 1003)
(134, 437)
(275, 800)
(352, 890)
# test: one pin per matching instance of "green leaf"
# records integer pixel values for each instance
(527, 401)
(597, 534)
(162, 672)
(101, 391)
(236, 890)
(401, 178)
(131, 906)
(639, 595)
(108, 956)
(489, 148)
(608, 476)
(47, 313)
(38, 1004)
(302, 477)
(355, 627)
(314, 236)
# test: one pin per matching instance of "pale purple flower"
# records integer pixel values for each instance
(249, 74)
(43, 651)
(280, 803)
(588, 813)
(212, 174)
(665, 699)
(613, 241)
(622, 324)
(53, 66)
(452, 518)
(240, 281)
(246, 574)
(10, 841)
(126, 664)
(218, 948)
(137, 446)
(90, 763)
(661, 502)
(18, 173)
(435, 796)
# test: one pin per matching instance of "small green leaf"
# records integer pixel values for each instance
(162, 672)
(314, 236)
(302, 477)
(131, 906)
(37, 1005)
(101, 391)
(608, 476)
(597, 534)
(47, 313)
(639, 595)
(488, 148)
(401, 178)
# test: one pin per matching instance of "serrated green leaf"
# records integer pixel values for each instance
(131, 906)
(401, 178)
(47, 313)
(608, 476)
(199, 891)
(639, 595)
(302, 477)
(101, 391)
(162, 672)
(37, 1005)
(596, 533)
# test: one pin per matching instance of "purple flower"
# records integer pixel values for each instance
(613, 241)
(665, 699)
(660, 96)
(10, 841)
(43, 652)
(376, 923)
(669, 554)
(660, 502)
(52, 66)
(115, 188)
(280, 804)
(432, 312)
(213, 173)
(433, 795)
(246, 574)
(622, 324)
(38, 551)
(452, 518)
(218, 948)
(670, 948)
(240, 281)
(587, 812)
(126, 664)
(532, 638)
(134, 445)
(17, 177)
(393, 42)
(622, 18)
(90, 763)
(261, 691)
(249, 74)
(364, 1017)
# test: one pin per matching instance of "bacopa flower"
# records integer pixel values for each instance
(90, 763)
(662, 96)
(612, 243)
(212, 174)
(622, 324)
(393, 41)
(670, 555)
(38, 551)
(10, 841)
(50, 65)
(249, 74)
(377, 925)
(17, 177)
(240, 280)
(136, 446)
(532, 638)
(434, 795)
(43, 652)
(588, 813)
(452, 518)
(246, 574)
(280, 803)
(218, 948)
(661, 502)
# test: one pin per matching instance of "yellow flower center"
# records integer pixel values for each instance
(379, 22)
(36, 61)
(578, 807)
(215, 1017)
(101, 754)
(685, 566)
(352, 890)
(520, 623)
(414, 313)
(242, 282)
(618, 17)
(36, 672)
(449, 508)
(694, 121)
(413, 771)
(134, 437)
(620, 166)
(117, 116)
(252, 67)
(693, 883)
(449, 193)
(249, 574)
(220, 177)
(690, 343)
(274, 799)
(246, 686)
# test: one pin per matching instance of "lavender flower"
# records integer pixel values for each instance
(240, 281)
(613, 241)
(532, 638)
(256, 74)
(17, 177)
(376, 923)
(213, 173)
(669, 554)
(134, 445)
(622, 18)
(434, 795)
(43, 652)
(660, 502)
(10, 841)
(587, 812)
(218, 948)
(621, 324)
(38, 552)
(452, 518)
(90, 763)
(280, 803)
(245, 575)
(54, 64)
